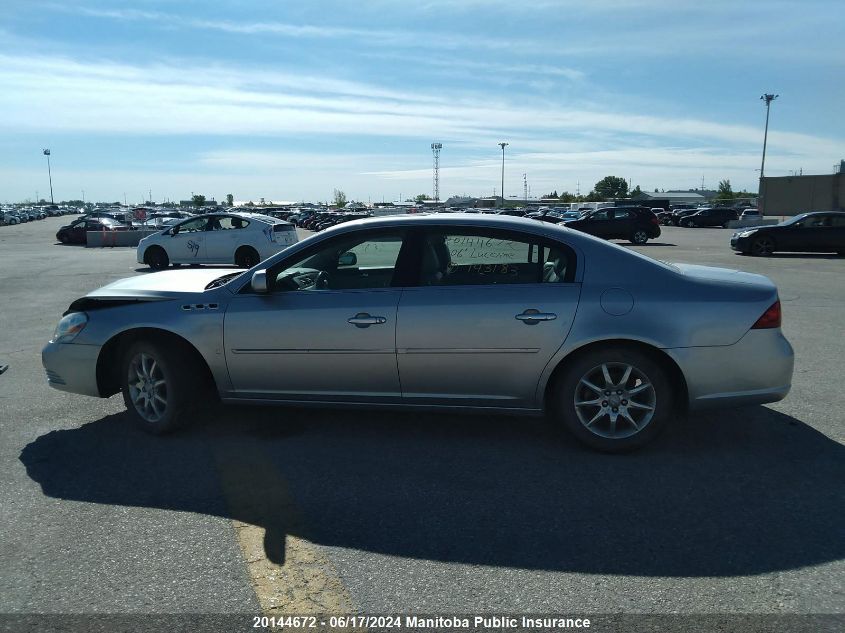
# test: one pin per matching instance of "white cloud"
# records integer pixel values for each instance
(553, 143)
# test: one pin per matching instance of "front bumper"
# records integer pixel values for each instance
(755, 370)
(72, 367)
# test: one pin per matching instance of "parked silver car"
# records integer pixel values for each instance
(457, 311)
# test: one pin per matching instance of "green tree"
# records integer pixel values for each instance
(593, 196)
(198, 199)
(339, 198)
(636, 191)
(566, 197)
(230, 200)
(611, 187)
(725, 190)
(421, 197)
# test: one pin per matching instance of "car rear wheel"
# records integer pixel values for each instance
(614, 399)
(725, 225)
(63, 238)
(160, 387)
(639, 237)
(246, 257)
(156, 258)
(762, 247)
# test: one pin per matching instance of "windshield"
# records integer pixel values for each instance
(794, 220)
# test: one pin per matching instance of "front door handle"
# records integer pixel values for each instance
(533, 317)
(362, 319)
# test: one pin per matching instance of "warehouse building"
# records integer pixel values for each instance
(791, 195)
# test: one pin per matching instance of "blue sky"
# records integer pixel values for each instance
(289, 100)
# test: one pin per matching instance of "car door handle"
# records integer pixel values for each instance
(533, 317)
(362, 319)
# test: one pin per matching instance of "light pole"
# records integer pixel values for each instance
(503, 145)
(768, 99)
(49, 173)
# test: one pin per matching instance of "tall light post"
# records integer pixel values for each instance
(768, 99)
(503, 145)
(49, 173)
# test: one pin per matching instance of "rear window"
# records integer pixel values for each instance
(284, 228)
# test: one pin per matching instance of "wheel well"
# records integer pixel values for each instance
(151, 248)
(108, 362)
(673, 372)
(245, 247)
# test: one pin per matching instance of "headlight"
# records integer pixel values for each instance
(69, 327)
(746, 233)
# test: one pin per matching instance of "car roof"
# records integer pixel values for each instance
(480, 220)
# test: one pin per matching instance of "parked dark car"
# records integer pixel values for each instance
(717, 216)
(679, 214)
(636, 224)
(76, 231)
(816, 232)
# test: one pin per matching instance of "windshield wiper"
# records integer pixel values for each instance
(216, 283)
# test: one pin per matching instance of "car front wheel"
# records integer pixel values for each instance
(762, 247)
(159, 386)
(614, 400)
(156, 258)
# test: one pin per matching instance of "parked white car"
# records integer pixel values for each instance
(243, 239)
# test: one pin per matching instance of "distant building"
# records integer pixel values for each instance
(675, 197)
(791, 195)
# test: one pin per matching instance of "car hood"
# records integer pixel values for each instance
(164, 285)
(712, 273)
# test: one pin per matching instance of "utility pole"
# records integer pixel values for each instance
(83, 197)
(49, 174)
(768, 98)
(435, 151)
(525, 187)
(503, 145)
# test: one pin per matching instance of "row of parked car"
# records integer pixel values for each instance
(19, 215)
(705, 216)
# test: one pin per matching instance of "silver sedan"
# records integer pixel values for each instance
(458, 312)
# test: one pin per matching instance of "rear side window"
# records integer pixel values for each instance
(284, 228)
(476, 257)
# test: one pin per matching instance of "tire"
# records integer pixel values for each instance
(639, 237)
(156, 258)
(725, 225)
(63, 238)
(762, 246)
(246, 257)
(152, 372)
(592, 422)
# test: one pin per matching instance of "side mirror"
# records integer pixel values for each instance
(259, 282)
(173, 231)
(347, 259)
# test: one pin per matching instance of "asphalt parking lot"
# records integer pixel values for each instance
(303, 511)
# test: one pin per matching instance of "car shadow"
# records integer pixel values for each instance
(798, 256)
(647, 244)
(741, 492)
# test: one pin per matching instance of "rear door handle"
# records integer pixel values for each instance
(533, 317)
(362, 319)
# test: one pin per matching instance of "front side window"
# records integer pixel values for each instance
(472, 258)
(193, 226)
(346, 263)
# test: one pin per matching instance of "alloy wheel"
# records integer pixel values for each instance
(147, 387)
(763, 246)
(615, 400)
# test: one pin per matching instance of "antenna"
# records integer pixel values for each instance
(435, 151)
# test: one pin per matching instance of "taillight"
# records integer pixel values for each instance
(770, 318)
(654, 220)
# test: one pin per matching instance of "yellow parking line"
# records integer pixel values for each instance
(289, 574)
